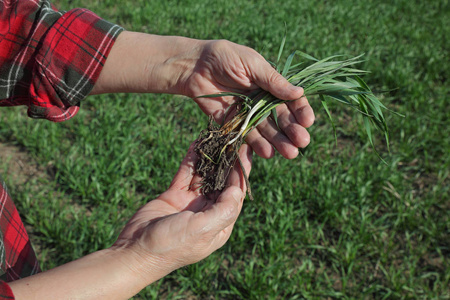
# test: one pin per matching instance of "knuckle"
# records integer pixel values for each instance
(275, 78)
(221, 44)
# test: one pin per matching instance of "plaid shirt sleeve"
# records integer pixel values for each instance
(5, 291)
(50, 60)
(17, 257)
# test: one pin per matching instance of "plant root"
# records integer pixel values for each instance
(217, 158)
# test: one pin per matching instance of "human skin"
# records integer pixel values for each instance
(178, 228)
(148, 63)
(181, 226)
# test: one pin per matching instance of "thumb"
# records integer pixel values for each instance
(270, 80)
(226, 209)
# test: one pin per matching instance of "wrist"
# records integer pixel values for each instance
(105, 274)
(142, 267)
(146, 63)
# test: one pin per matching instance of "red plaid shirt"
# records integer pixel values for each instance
(49, 61)
(17, 257)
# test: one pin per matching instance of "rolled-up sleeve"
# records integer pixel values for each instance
(50, 60)
(5, 291)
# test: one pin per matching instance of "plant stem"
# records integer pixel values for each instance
(247, 120)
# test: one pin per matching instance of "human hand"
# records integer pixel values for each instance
(145, 63)
(178, 228)
(182, 226)
(223, 66)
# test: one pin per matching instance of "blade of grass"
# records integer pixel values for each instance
(325, 106)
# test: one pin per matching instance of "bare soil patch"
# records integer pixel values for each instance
(20, 167)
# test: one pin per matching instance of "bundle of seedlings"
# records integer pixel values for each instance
(332, 78)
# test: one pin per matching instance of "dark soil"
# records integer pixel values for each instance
(216, 158)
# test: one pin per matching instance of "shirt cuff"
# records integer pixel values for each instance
(5, 291)
(68, 63)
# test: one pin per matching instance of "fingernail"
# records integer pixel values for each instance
(298, 88)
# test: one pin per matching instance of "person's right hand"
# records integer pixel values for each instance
(223, 66)
(182, 226)
(177, 65)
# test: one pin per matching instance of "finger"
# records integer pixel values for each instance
(270, 80)
(296, 133)
(279, 140)
(260, 144)
(185, 174)
(302, 111)
(226, 209)
(215, 106)
(218, 219)
(237, 177)
(214, 225)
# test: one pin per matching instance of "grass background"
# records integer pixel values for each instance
(336, 223)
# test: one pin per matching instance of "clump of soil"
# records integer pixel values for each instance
(216, 157)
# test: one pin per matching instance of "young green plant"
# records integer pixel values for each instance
(332, 78)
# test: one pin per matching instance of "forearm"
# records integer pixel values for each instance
(146, 63)
(106, 274)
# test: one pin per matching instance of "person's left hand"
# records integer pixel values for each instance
(227, 67)
(182, 226)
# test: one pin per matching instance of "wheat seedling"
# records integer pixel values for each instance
(332, 78)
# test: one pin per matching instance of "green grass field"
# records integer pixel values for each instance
(336, 223)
